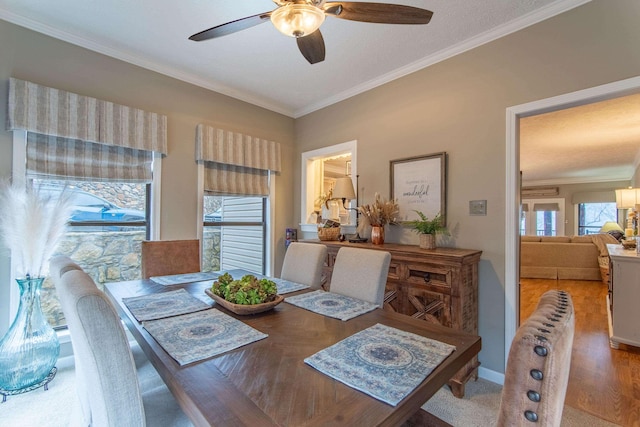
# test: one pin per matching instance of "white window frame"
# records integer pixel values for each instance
(269, 246)
(307, 181)
(18, 171)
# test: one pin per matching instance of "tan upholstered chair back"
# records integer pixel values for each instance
(167, 257)
(538, 366)
(361, 273)
(108, 386)
(303, 263)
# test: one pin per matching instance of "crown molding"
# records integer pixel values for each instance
(495, 33)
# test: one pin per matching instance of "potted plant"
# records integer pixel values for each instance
(428, 228)
(31, 224)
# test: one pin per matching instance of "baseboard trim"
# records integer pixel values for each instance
(489, 375)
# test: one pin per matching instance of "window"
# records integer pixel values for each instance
(542, 217)
(107, 224)
(592, 216)
(234, 233)
(104, 153)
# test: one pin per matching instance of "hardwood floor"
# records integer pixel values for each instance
(603, 381)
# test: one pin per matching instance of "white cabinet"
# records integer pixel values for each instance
(623, 300)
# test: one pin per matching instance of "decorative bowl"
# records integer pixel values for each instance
(629, 243)
(243, 309)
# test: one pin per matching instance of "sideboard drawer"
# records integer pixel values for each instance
(432, 276)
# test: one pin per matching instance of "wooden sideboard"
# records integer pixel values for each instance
(439, 285)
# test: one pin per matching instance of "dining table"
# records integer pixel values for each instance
(268, 383)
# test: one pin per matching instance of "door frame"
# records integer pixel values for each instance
(512, 196)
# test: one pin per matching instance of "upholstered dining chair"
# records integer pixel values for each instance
(147, 374)
(303, 263)
(361, 273)
(167, 257)
(106, 378)
(538, 365)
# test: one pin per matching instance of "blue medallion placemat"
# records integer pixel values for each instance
(164, 304)
(331, 304)
(177, 279)
(287, 286)
(381, 361)
(197, 336)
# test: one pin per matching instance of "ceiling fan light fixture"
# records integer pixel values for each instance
(297, 20)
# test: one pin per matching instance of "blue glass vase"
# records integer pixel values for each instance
(30, 348)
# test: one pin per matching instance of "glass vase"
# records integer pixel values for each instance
(30, 348)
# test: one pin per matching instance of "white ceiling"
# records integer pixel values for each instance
(595, 142)
(261, 66)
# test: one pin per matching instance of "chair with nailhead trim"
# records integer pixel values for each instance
(538, 365)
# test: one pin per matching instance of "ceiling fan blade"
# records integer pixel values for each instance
(312, 47)
(231, 27)
(380, 13)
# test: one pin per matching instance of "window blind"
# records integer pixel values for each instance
(236, 163)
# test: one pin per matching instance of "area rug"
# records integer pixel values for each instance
(481, 403)
(177, 279)
(331, 304)
(478, 408)
(381, 361)
(165, 304)
(197, 336)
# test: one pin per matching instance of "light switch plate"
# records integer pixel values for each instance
(478, 207)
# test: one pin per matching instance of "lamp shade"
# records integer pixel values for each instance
(344, 189)
(611, 226)
(297, 20)
(627, 198)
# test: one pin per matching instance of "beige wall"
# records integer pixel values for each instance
(458, 106)
(31, 56)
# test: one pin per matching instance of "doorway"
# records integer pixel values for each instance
(512, 196)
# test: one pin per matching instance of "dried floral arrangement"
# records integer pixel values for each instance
(381, 212)
(32, 225)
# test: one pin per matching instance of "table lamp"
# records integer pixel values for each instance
(343, 190)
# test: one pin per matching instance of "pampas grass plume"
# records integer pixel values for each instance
(31, 225)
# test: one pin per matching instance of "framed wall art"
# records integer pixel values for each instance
(420, 184)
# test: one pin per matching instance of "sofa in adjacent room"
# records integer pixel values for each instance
(563, 257)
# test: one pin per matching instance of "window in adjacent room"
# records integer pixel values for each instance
(543, 217)
(592, 216)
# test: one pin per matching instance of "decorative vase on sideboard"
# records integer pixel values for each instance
(377, 235)
(30, 348)
(427, 241)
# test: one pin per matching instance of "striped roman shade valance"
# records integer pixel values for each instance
(236, 164)
(233, 148)
(62, 158)
(47, 111)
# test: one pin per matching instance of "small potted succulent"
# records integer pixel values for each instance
(427, 228)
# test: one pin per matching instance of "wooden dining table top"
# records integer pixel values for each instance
(267, 382)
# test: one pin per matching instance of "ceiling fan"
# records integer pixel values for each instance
(302, 19)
